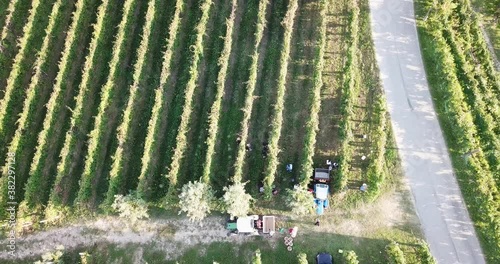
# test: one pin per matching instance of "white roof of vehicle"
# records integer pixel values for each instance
(245, 224)
(321, 191)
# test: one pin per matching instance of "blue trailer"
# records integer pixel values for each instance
(321, 179)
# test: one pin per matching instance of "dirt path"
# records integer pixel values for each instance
(173, 237)
(426, 162)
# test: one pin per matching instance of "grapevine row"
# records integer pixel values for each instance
(483, 89)
(350, 89)
(16, 13)
(80, 119)
(94, 159)
(29, 43)
(277, 120)
(312, 125)
(181, 138)
(159, 107)
(216, 106)
(37, 180)
(126, 129)
(483, 107)
(249, 97)
(23, 136)
(479, 188)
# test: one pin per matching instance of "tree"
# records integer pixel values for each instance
(300, 200)
(350, 257)
(196, 200)
(256, 257)
(236, 201)
(130, 207)
(394, 254)
(302, 258)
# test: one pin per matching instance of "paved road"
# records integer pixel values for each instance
(438, 201)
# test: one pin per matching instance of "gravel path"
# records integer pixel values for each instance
(438, 201)
(172, 236)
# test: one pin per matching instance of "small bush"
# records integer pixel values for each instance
(394, 254)
(302, 258)
(256, 257)
(130, 207)
(350, 257)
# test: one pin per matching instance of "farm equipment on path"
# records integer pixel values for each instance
(252, 225)
(321, 179)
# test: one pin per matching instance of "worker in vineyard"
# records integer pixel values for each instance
(248, 147)
(265, 149)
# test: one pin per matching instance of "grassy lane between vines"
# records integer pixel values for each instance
(328, 139)
(215, 110)
(297, 103)
(277, 120)
(250, 89)
(15, 19)
(312, 125)
(192, 164)
(95, 70)
(112, 93)
(49, 141)
(265, 94)
(233, 98)
(158, 112)
(139, 93)
(19, 77)
(4, 11)
(474, 176)
(369, 118)
(23, 143)
(181, 138)
(350, 92)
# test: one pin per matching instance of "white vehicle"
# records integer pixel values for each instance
(252, 225)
